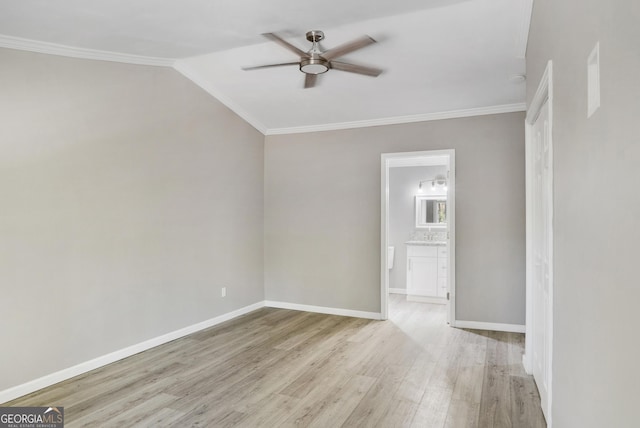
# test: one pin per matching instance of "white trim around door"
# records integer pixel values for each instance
(431, 157)
(539, 239)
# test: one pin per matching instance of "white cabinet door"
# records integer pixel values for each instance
(422, 276)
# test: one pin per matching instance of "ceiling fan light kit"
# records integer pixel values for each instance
(314, 65)
(315, 61)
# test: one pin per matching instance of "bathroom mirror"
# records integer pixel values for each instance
(431, 211)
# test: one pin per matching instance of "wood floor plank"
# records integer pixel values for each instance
(416, 380)
(400, 414)
(468, 386)
(282, 368)
(274, 408)
(445, 373)
(524, 409)
(206, 416)
(314, 351)
(341, 402)
(303, 335)
(376, 403)
(129, 418)
(462, 414)
(82, 415)
(344, 355)
(164, 417)
(433, 409)
(495, 404)
(467, 392)
(317, 398)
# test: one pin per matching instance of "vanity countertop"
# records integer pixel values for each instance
(434, 243)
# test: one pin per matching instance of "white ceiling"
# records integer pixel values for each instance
(453, 56)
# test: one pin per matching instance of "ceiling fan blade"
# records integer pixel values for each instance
(310, 80)
(270, 65)
(282, 42)
(348, 47)
(353, 68)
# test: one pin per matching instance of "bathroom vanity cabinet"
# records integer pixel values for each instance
(427, 272)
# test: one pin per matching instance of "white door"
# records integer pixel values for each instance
(542, 246)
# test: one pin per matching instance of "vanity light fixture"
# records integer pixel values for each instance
(439, 181)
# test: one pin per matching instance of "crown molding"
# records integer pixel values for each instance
(522, 38)
(189, 73)
(73, 52)
(453, 114)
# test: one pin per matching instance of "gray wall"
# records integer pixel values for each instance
(403, 187)
(322, 213)
(129, 197)
(597, 292)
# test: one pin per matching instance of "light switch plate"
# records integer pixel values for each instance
(593, 81)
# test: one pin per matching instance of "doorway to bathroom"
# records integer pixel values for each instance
(418, 229)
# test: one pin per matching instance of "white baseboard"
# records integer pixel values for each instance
(426, 299)
(397, 290)
(59, 376)
(323, 310)
(491, 326)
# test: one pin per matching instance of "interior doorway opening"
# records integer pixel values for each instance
(418, 229)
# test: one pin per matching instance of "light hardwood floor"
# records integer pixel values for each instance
(282, 368)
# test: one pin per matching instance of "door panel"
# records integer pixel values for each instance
(542, 217)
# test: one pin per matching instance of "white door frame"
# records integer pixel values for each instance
(409, 157)
(543, 94)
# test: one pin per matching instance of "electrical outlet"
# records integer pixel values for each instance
(223, 292)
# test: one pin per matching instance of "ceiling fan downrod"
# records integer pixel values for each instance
(315, 64)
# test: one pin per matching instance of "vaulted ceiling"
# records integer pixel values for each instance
(441, 58)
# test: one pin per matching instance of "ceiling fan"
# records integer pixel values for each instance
(318, 61)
